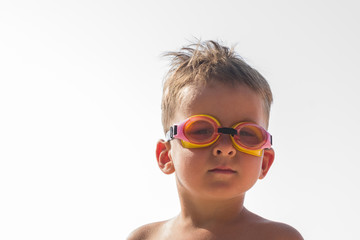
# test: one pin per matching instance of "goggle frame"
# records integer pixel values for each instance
(177, 131)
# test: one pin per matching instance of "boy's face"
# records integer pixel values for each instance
(219, 170)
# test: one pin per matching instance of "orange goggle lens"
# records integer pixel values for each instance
(250, 135)
(200, 130)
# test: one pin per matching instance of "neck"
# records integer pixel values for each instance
(205, 213)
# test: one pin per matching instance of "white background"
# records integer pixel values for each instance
(80, 90)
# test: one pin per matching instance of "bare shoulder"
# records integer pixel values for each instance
(279, 231)
(266, 229)
(145, 232)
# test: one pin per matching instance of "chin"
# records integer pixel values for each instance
(224, 192)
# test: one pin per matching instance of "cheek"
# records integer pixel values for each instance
(249, 166)
(251, 170)
(188, 163)
(183, 158)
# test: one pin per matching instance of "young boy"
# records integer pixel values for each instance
(215, 112)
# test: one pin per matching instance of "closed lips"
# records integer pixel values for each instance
(222, 170)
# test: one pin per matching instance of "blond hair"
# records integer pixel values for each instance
(204, 62)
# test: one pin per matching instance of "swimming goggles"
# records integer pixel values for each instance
(203, 130)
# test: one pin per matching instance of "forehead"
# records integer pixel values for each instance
(229, 104)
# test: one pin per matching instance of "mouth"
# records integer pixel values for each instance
(222, 170)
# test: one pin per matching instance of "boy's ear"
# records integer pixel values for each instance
(163, 157)
(268, 159)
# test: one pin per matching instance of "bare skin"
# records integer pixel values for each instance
(212, 201)
(246, 226)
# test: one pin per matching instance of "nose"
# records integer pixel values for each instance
(224, 147)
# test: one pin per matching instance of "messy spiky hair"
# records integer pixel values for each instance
(205, 62)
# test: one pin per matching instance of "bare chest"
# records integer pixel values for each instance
(204, 234)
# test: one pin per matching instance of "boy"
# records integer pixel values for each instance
(215, 110)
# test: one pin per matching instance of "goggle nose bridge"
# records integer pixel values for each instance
(225, 130)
